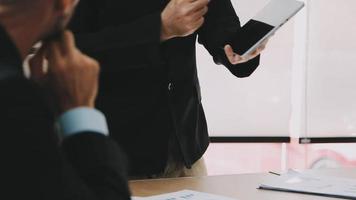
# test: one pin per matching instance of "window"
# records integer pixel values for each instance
(305, 88)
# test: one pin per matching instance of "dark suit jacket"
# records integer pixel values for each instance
(150, 90)
(34, 165)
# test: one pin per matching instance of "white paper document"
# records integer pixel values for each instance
(311, 184)
(184, 195)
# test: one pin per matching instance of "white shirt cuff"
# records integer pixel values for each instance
(81, 120)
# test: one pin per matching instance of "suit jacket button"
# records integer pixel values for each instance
(170, 86)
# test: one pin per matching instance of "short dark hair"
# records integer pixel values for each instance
(9, 1)
(14, 2)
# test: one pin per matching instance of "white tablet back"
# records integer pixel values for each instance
(276, 12)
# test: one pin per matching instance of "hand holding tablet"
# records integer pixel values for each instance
(235, 59)
(252, 38)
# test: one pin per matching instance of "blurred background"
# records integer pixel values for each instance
(298, 110)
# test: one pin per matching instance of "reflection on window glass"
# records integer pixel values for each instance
(321, 156)
(238, 158)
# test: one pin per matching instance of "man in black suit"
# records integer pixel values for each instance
(85, 163)
(149, 84)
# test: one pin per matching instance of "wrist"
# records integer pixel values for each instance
(166, 34)
(70, 106)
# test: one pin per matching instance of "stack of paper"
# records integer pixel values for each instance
(312, 184)
(184, 195)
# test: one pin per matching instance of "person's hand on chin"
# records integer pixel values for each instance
(72, 77)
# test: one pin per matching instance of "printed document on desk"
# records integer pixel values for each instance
(311, 184)
(184, 195)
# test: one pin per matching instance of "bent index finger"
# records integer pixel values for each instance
(54, 56)
(198, 5)
(200, 13)
(67, 43)
(35, 64)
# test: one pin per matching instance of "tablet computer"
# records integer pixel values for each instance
(273, 16)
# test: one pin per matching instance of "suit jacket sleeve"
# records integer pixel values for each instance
(94, 168)
(221, 24)
(87, 166)
(143, 33)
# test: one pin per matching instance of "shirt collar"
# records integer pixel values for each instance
(10, 59)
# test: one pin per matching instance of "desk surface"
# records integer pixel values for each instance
(242, 187)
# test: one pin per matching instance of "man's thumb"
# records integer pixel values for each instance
(38, 66)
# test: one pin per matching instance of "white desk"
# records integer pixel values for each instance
(241, 187)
